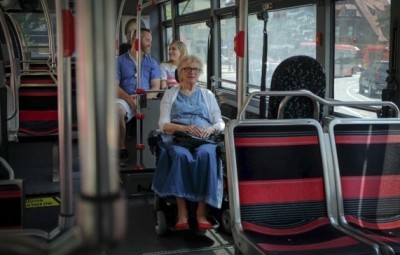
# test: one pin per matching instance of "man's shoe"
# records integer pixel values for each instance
(123, 157)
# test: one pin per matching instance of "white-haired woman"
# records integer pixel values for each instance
(190, 174)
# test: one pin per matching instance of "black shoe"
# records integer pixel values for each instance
(123, 157)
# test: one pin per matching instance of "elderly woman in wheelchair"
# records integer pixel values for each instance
(190, 171)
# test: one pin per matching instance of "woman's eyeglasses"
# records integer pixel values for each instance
(190, 69)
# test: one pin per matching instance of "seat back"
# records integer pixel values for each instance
(276, 173)
(367, 167)
(38, 112)
(296, 73)
(35, 107)
(11, 201)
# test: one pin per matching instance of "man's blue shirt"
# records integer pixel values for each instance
(126, 72)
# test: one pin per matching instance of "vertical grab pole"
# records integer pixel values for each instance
(101, 217)
(241, 52)
(140, 93)
(263, 15)
(64, 24)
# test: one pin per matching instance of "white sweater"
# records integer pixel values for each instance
(210, 100)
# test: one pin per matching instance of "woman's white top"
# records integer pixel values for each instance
(168, 73)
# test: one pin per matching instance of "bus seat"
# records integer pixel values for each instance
(36, 86)
(38, 110)
(11, 201)
(367, 167)
(295, 73)
(279, 200)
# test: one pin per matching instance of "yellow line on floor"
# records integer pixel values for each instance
(42, 202)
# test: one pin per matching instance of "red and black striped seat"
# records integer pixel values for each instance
(280, 202)
(366, 156)
(38, 110)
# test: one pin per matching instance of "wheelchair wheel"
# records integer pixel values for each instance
(160, 223)
(226, 221)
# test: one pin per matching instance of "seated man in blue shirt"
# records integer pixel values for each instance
(126, 83)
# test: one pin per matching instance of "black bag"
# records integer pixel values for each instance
(152, 141)
(189, 141)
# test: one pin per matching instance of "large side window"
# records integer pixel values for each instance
(190, 6)
(34, 28)
(228, 55)
(361, 52)
(290, 32)
(195, 36)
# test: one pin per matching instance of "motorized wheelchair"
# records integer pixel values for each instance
(165, 208)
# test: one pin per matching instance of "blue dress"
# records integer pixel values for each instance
(194, 175)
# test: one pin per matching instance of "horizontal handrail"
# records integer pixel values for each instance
(309, 94)
(215, 78)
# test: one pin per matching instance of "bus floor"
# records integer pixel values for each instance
(142, 239)
(42, 207)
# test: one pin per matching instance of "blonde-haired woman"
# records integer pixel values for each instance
(176, 51)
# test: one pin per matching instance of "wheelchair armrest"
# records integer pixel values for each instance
(152, 140)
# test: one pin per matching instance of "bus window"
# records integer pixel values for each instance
(169, 40)
(34, 28)
(346, 58)
(189, 6)
(307, 48)
(286, 29)
(167, 11)
(373, 53)
(228, 55)
(195, 36)
(363, 26)
(225, 3)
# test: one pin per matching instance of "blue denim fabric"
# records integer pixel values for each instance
(195, 176)
(190, 110)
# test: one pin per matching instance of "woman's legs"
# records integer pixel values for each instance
(207, 175)
(199, 178)
(201, 213)
(182, 211)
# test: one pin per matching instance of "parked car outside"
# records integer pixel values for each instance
(373, 79)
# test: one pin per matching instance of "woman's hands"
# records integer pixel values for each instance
(200, 132)
(206, 132)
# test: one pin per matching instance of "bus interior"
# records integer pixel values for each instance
(325, 182)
